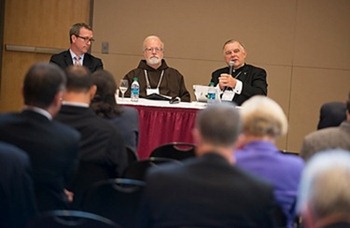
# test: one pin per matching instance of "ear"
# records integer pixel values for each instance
(196, 136)
(92, 91)
(73, 38)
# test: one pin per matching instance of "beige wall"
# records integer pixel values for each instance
(303, 44)
(34, 23)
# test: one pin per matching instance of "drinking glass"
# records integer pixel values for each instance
(123, 86)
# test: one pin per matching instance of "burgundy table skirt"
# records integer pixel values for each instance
(161, 125)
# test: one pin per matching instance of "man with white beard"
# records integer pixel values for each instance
(155, 76)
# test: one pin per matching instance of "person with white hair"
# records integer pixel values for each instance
(238, 81)
(324, 193)
(263, 123)
(154, 75)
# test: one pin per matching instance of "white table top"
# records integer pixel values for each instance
(155, 103)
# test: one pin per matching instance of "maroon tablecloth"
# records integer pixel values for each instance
(160, 125)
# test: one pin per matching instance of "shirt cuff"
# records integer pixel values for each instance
(238, 87)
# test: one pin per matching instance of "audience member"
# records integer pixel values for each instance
(263, 123)
(155, 76)
(102, 150)
(332, 114)
(239, 81)
(208, 191)
(17, 200)
(126, 119)
(81, 38)
(324, 196)
(52, 147)
(328, 138)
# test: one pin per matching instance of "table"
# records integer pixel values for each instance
(161, 122)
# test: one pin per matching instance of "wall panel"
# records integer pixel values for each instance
(36, 23)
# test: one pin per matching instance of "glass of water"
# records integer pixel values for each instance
(123, 86)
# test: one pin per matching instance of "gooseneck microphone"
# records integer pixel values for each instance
(231, 65)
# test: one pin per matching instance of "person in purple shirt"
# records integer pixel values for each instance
(263, 123)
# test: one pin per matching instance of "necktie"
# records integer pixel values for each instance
(77, 60)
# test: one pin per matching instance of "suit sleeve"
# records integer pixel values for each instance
(258, 85)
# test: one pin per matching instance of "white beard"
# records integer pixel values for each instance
(153, 61)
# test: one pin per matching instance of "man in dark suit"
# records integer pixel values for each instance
(17, 200)
(238, 81)
(102, 149)
(51, 146)
(208, 191)
(81, 38)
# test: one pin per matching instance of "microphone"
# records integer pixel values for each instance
(231, 65)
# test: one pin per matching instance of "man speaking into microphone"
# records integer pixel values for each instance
(238, 81)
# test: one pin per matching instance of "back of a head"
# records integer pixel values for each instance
(219, 124)
(41, 84)
(332, 114)
(261, 116)
(104, 103)
(79, 79)
(325, 185)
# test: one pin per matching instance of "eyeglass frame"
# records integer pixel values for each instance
(85, 38)
(149, 50)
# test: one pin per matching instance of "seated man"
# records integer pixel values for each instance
(51, 146)
(81, 38)
(328, 138)
(209, 190)
(17, 200)
(102, 150)
(155, 76)
(238, 81)
(263, 123)
(324, 196)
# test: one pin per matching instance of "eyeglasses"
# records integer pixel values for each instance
(154, 49)
(232, 51)
(86, 38)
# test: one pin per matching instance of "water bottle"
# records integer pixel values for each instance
(211, 93)
(135, 90)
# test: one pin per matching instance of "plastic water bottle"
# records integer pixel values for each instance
(135, 90)
(211, 93)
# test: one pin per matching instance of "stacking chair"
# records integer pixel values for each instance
(138, 169)
(116, 199)
(69, 218)
(175, 150)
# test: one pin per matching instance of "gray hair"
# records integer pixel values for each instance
(219, 124)
(152, 37)
(262, 116)
(325, 184)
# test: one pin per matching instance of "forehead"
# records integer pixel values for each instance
(153, 43)
(232, 46)
(85, 32)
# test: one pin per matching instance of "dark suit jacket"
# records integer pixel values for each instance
(332, 114)
(102, 149)
(205, 192)
(17, 200)
(64, 59)
(53, 151)
(253, 80)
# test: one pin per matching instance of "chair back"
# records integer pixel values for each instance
(116, 199)
(175, 150)
(138, 169)
(70, 218)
